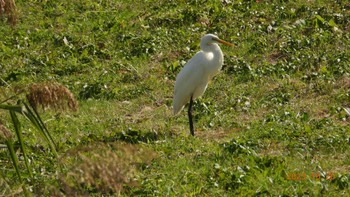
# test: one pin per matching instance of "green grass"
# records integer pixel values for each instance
(271, 123)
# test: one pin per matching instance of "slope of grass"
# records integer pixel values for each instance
(271, 123)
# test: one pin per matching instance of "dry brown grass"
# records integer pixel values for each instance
(342, 82)
(218, 135)
(51, 95)
(8, 7)
(4, 132)
(105, 168)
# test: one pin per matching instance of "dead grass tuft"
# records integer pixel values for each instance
(272, 149)
(274, 57)
(4, 132)
(105, 168)
(8, 7)
(51, 95)
(343, 82)
(217, 135)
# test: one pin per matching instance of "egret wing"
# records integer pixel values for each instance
(191, 81)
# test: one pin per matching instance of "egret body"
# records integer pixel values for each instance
(193, 78)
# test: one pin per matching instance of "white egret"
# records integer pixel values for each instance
(193, 79)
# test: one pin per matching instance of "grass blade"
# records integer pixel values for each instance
(15, 162)
(37, 123)
(16, 108)
(36, 114)
(18, 129)
(35, 119)
(14, 158)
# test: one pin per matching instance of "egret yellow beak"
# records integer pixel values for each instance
(223, 42)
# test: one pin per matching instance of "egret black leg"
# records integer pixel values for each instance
(190, 116)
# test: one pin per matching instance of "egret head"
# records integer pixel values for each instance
(210, 39)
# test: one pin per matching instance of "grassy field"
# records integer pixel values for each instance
(272, 123)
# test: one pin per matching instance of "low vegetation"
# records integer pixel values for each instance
(275, 121)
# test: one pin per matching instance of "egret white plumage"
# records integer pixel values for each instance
(193, 78)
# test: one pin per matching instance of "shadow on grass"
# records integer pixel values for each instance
(132, 136)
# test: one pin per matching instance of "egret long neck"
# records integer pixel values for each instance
(213, 48)
(217, 59)
(218, 55)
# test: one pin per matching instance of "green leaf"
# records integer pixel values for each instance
(320, 18)
(332, 23)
